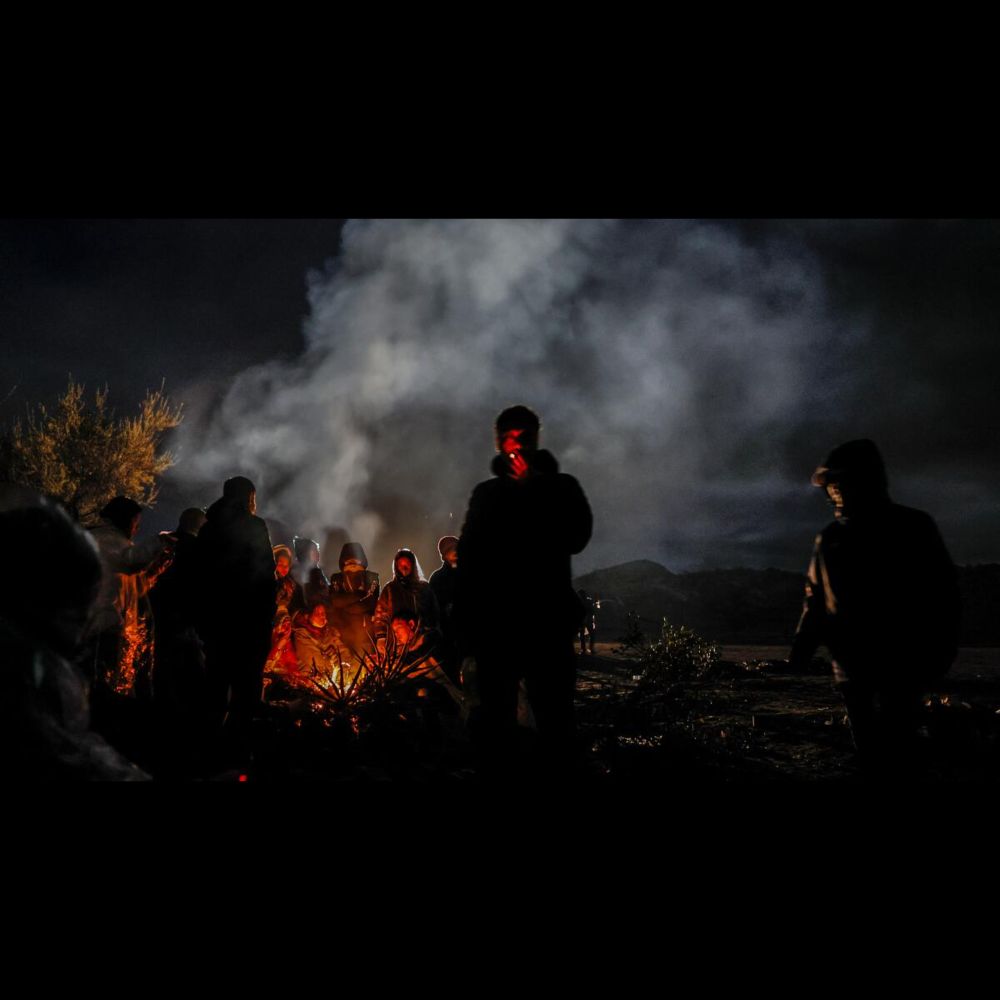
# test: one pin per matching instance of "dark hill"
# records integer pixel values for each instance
(752, 605)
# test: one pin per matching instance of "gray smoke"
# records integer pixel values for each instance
(668, 361)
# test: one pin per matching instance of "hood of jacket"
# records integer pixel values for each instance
(353, 550)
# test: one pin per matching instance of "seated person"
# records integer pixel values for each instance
(415, 645)
(320, 653)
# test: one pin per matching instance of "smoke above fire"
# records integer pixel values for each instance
(666, 359)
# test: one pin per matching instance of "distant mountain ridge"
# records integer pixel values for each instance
(752, 605)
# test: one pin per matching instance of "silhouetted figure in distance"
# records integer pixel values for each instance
(516, 610)
(589, 625)
(882, 596)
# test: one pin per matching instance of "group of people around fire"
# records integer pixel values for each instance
(199, 621)
(328, 631)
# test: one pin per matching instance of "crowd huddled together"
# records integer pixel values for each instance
(208, 618)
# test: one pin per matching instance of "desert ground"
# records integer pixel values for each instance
(749, 720)
(752, 720)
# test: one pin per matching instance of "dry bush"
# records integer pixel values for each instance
(82, 455)
(677, 656)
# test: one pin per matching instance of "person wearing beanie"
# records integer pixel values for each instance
(354, 593)
(882, 595)
(443, 582)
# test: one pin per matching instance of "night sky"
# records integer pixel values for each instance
(690, 374)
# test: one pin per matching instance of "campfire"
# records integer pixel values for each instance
(369, 676)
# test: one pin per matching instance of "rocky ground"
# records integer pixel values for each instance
(752, 720)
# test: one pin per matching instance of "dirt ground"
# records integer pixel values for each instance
(753, 720)
(749, 721)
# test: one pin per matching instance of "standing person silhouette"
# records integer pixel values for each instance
(516, 613)
(237, 605)
(882, 596)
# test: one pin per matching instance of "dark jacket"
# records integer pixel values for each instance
(411, 597)
(356, 601)
(514, 557)
(353, 598)
(316, 587)
(174, 598)
(236, 569)
(444, 583)
(881, 595)
(288, 596)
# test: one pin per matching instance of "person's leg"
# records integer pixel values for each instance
(859, 701)
(247, 673)
(494, 728)
(550, 679)
(900, 704)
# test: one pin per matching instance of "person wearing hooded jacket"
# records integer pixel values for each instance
(407, 593)
(236, 606)
(515, 608)
(354, 593)
(882, 595)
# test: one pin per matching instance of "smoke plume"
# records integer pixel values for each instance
(666, 360)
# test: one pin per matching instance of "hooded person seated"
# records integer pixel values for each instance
(45, 730)
(319, 651)
(121, 626)
(354, 592)
(407, 594)
(307, 571)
